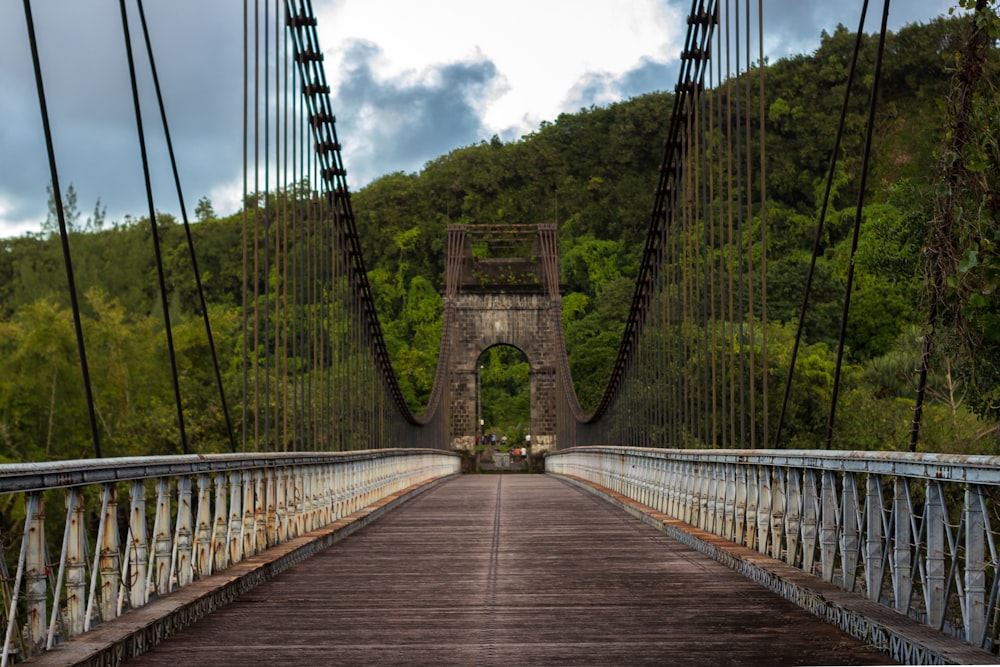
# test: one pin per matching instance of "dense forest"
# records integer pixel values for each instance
(592, 173)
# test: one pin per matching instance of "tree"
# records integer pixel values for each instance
(71, 214)
(96, 222)
(204, 211)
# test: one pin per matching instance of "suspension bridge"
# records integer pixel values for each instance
(670, 522)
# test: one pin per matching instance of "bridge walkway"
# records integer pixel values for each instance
(509, 569)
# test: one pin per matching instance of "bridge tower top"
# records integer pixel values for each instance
(509, 258)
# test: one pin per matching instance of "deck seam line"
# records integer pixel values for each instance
(487, 633)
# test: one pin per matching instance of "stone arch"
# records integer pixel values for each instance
(502, 301)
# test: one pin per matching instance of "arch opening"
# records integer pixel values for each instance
(503, 399)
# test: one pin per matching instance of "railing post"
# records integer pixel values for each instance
(639, 484)
(753, 506)
(338, 490)
(379, 480)
(793, 515)
(729, 526)
(716, 498)
(357, 484)
(636, 478)
(234, 537)
(645, 493)
(271, 495)
(975, 565)
(281, 503)
(138, 545)
(110, 546)
(394, 475)
(810, 520)
(220, 528)
(299, 494)
(850, 531)
(309, 501)
(764, 508)
(777, 510)
(741, 504)
(934, 526)
(682, 474)
(690, 485)
(161, 540)
(293, 500)
(260, 512)
(902, 539)
(705, 497)
(828, 525)
(875, 538)
(662, 482)
(326, 475)
(248, 528)
(35, 579)
(371, 471)
(76, 565)
(360, 484)
(203, 542)
(182, 571)
(673, 477)
(30, 509)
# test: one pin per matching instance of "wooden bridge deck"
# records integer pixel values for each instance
(509, 569)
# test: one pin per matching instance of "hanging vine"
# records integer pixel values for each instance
(963, 244)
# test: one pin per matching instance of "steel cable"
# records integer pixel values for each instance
(865, 160)
(763, 225)
(63, 235)
(244, 219)
(154, 231)
(187, 230)
(817, 244)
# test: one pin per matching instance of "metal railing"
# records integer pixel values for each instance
(137, 528)
(910, 531)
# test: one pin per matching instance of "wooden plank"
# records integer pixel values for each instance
(512, 569)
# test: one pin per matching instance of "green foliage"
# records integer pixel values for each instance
(506, 392)
(414, 340)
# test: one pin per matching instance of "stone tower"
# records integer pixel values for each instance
(502, 300)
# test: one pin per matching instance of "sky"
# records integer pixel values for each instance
(409, 81)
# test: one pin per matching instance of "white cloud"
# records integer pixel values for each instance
(10, 225)
(541, 48)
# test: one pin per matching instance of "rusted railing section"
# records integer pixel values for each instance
(910, 531)
(137, 528)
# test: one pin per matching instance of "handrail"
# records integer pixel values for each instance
(978, 468)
